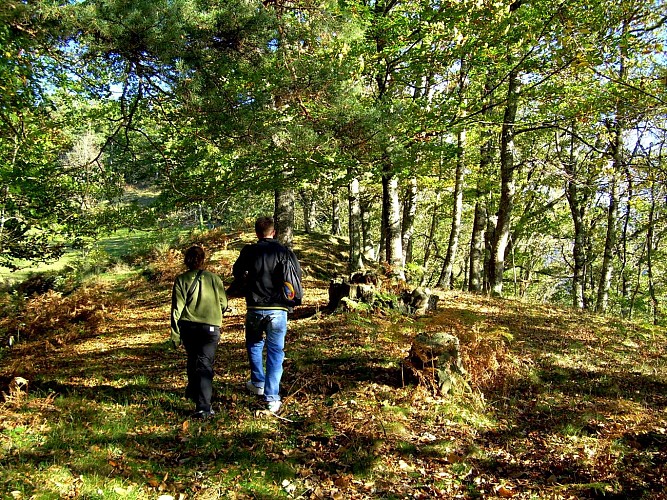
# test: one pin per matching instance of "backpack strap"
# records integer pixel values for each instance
(191, 290)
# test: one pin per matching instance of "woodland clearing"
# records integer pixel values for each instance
(562, 404)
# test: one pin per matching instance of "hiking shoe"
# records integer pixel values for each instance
(274, 406)
(257, 391)
(203, 415)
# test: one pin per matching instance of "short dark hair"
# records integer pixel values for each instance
(194, 257)
(264, 226)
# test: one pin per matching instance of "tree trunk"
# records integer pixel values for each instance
(607, 268)
(408, 225)
(649, 258)
(430, 238)
(308, 202)
(578, 254)
(284, 216)
(356, 260)
(616, 145)
(479, 245)
(589, 303)
(508, 188)
(336, 227)
(576, 195)
(476, 279)
(368, 247)
(394, 245)
(488, 249)
(382, 250)
(445, 280)
(624, 272)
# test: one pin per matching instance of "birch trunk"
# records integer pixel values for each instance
(408, 225)
(616, 131)
(476, 279)
(368, 246)
(445, 280)
(508, 188)
(479, 240)
(607, 268)
(336, 227)
(356, 260)
(394, 245)
(430, 239)
(576, 196)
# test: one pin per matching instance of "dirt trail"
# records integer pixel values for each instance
(589, 409)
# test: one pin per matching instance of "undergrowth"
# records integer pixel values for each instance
(558, 405)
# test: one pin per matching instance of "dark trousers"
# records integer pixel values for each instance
(200, 342)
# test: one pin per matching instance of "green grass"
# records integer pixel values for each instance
(116, 425)
(105, 449)
(27, 269)
(109, 250)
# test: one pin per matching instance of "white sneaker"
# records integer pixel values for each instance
(274, 406)
(257, 391)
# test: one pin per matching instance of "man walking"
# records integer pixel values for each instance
(258, 272)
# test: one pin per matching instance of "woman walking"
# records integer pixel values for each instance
(197, 302)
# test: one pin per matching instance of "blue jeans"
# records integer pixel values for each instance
(273, 323)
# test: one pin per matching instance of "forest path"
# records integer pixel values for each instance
(574, 404)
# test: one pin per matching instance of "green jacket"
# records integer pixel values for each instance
(206, 306)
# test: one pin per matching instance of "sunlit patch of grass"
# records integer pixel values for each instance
(442, 449)
(15, 440)
(26, 269)
(596, 489)
(139, 380)
(571, 429)
(464, 412)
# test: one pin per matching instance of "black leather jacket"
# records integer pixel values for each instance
(256, 275)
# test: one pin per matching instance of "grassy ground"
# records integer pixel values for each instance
(562, 405)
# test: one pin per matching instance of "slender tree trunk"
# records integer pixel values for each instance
(356, 260)
(625, 277)
(430, 238)
(3, 218)
(607, 268)
(408, 224)
(649, 258)
(476, 278)
(488, 249)
(336, 227)
(382, 250)
(616, 131)
(284, 216)
(368, 247)
(638, 283)
(507, 190)
(445, 280)
(479, 265)
(576, 198)
(308, 202)
(579, 257)
(589, 299)
(394, 245)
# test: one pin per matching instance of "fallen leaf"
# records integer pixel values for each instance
(505, 492)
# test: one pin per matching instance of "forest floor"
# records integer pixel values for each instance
(560, 405)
